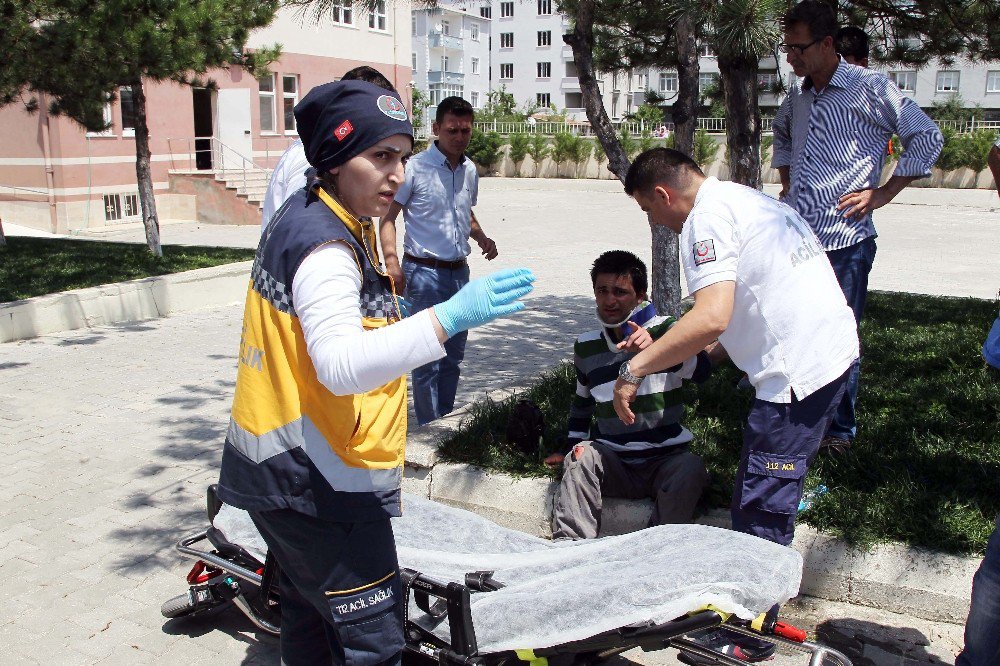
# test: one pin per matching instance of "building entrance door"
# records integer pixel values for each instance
(203, 102)
(232, 127)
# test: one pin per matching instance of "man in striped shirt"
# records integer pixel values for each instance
(830, 137)
(649, 458)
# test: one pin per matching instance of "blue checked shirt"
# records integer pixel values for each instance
(834, 142)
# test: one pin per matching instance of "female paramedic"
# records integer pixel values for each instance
(315, 444)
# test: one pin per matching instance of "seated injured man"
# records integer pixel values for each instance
(649, 458)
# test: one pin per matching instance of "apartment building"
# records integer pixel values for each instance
(451, 53)
(57, 177)
(528, 58)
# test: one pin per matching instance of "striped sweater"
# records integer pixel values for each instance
(658, 407)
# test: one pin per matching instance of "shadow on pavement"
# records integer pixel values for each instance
(261, 647)
(872, 644)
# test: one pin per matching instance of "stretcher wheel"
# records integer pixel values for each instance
(185, 604)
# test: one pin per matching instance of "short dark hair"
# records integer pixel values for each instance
(816, 15)
(369, 74)
(620, 263)
(660, 165)
(852, 41)
(456, 106)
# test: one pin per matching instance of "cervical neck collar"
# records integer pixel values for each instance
(620, 330)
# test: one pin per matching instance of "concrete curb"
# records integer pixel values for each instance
(892, 577)
(124, 302)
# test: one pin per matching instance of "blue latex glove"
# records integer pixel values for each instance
(485, 299)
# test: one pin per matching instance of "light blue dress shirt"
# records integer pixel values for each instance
(437, 205)
(834, 142)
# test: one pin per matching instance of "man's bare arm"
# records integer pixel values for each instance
(485, 243)
(387, 236)
(786, 181)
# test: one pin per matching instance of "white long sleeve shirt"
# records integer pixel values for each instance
(326, 295)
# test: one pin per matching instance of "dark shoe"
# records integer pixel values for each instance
(834, 446)
(732, 644)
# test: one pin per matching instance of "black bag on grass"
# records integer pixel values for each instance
(526, 427)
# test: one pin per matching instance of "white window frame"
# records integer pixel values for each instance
(506, 40)
(993, 81)
(669, 77)
(341, 12)
(706, 79)
(446, 27)
(289, 96)
(262, 96)
(939, 86)
(543, 100)
(474, 99)
(414, 61)
(545, 7)
(413, 25)
(475, 65)
(901, 77)
(543, 70)
(508, 69)
(705, 50)
(766, 81)
(507, 9)
(544, 38)
(474, 32)
(122, 207)
(486, 12)
(377, 18)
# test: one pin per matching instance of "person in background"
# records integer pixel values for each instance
(441, 188)
(830, 138)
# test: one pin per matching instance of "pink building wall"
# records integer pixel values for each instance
(85, 166)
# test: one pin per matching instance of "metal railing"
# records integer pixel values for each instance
(208, 153)
(583, 127)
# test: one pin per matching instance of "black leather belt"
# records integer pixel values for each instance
(435, 263)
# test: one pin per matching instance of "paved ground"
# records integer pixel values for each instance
(109, 436)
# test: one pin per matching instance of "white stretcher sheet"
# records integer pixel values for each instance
(565, 591)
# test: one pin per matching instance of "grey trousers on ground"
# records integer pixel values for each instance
(674, 481)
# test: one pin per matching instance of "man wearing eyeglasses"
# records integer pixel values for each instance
(830, 138)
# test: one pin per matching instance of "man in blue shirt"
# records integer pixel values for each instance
(830, 138)
(437, 197)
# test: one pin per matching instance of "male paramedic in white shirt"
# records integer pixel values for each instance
(764, 288)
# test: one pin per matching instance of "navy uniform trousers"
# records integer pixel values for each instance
(780, 441)
(341, 598)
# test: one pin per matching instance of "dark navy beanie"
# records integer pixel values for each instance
(337, 121)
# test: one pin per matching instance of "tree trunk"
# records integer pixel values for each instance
(665, 271)
(685, 109)
(739, 80)
(142, 171)
(3, 238)
(582, 42)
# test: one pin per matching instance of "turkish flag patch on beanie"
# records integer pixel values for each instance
(343, 130)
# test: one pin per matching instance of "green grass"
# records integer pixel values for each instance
(36, 266)
(924, 469)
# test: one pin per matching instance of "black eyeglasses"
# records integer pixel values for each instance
(797, 49)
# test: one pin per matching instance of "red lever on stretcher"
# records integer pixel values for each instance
(789, 632)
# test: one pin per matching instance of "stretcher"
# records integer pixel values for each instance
(481, 594)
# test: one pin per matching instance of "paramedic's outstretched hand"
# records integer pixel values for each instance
(637, 340)
(624, 396)
(484, 300)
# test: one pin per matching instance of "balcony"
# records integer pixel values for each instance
(446, 77)
(437, 40)
(571, 84)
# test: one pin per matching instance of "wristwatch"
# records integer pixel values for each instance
(626, 375)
